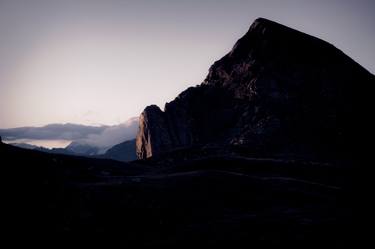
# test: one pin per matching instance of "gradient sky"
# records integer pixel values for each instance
(102, 62)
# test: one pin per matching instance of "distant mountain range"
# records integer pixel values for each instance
(86, 140)
(124, 151)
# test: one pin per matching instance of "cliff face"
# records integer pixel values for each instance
(277, 92)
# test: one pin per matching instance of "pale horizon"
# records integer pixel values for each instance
(102, 62)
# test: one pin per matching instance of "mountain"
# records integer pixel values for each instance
(122, 152)
(98, 144)
(26, 146)
(82, 149)
(277, 93)
(85, 140)
(47, 150)
(242, 161)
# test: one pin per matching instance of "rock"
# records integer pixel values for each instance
(153, 135)
(277, 92)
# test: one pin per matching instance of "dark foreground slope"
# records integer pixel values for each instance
(207, 200)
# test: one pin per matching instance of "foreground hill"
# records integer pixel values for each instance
(206, 200)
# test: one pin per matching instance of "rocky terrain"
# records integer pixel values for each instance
(277, 93)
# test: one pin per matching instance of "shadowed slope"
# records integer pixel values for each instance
(279, 91)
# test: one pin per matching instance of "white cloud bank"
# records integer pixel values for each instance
(101, 137)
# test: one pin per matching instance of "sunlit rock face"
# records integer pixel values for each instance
(277, 92)
(153, 135)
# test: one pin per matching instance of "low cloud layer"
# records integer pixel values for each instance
(96, 136)
(112, 135)
(52, 131)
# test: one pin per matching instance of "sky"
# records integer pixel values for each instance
(102, 62)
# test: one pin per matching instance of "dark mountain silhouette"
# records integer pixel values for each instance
(86, 140)
(27, 146)
(82, 151)
(261, 155)
(122, 152)
(278, 93)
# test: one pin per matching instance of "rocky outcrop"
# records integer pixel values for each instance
(277, 92)
(197, 116)
(153, 135)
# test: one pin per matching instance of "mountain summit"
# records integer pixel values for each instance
(278, 92)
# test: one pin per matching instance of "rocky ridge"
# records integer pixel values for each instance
(277, 92)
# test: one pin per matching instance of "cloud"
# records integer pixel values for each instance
(112, 135)
(102, 137)
(52, 131)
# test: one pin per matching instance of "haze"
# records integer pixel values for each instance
(102, 62)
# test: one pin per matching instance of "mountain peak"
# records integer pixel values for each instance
(263, 23)
(264, 29)
(278, 91)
